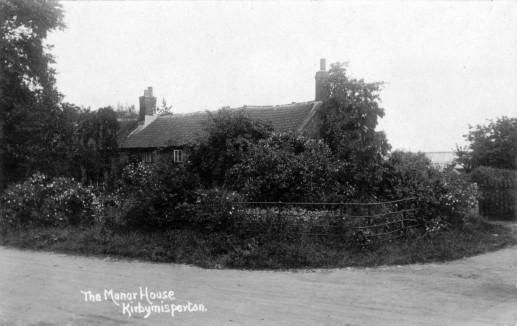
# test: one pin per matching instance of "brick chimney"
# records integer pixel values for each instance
(147, 104)
(322, 82)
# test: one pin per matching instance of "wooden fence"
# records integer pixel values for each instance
(499, 199)
(379, 221)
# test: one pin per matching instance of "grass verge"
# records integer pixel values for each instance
(228, 251)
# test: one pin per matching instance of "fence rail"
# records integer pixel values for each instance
(379, 220)
(340, 203)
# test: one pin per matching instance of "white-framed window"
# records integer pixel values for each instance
(147, 157)
(178, 155)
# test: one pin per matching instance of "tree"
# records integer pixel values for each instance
(349, 117)
(95, 144)
(164, 109)
(228, 135)
(31, 121)
(493, 145)
(125, 111)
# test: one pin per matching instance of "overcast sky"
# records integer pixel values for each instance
(446, 65)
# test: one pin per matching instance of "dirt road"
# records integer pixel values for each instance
(39, 288)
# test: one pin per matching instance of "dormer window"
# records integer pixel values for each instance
(178, 155)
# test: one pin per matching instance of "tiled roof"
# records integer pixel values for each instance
(178, 129)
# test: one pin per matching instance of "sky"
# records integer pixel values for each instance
(445, 64)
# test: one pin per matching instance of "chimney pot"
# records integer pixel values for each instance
(148, 92)
(147, 104)
(323, 64)
(322, 82)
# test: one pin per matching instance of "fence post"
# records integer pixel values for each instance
(506, 196)
(402, 223)
(279, 216)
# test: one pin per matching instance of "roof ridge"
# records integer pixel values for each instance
(278, 105)
(237, 108)
(183, 114)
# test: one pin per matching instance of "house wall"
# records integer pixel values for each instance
(158, 155)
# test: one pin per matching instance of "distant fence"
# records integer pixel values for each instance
(380, 220)
(499, 199)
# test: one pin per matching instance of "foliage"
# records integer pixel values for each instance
(286, 167)
(126, 112)
(222, 250)
(95, 144)
(154, 196)
(164, 109)
(348, 121)
(408, 174)
(494, 145)
(31, 132)
(44, 201)
(214, 210)
(456, 196)
(228, 135)
(444, 196)
(162, 197)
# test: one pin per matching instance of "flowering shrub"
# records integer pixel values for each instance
(444, 196)
(43, 201)
(214, 209)
(456, 196)
(109, 210)
(151, 196)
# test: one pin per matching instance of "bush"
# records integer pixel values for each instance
(214, 210)
(443, 196)
(456, 196)
(289, 168)
(43, 201)
(228, 136)
(152, 197)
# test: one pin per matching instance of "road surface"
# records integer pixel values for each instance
(41, 288)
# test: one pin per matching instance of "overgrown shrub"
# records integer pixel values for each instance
(289, 168)
(214, 210)
(456, 195)
(153, 196)
(443, 195)
(44, 201)
(228, 136)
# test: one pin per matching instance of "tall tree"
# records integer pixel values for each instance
(125, 111)
(349, 117)
(30, 116)
(94, 151)
(493, 145)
